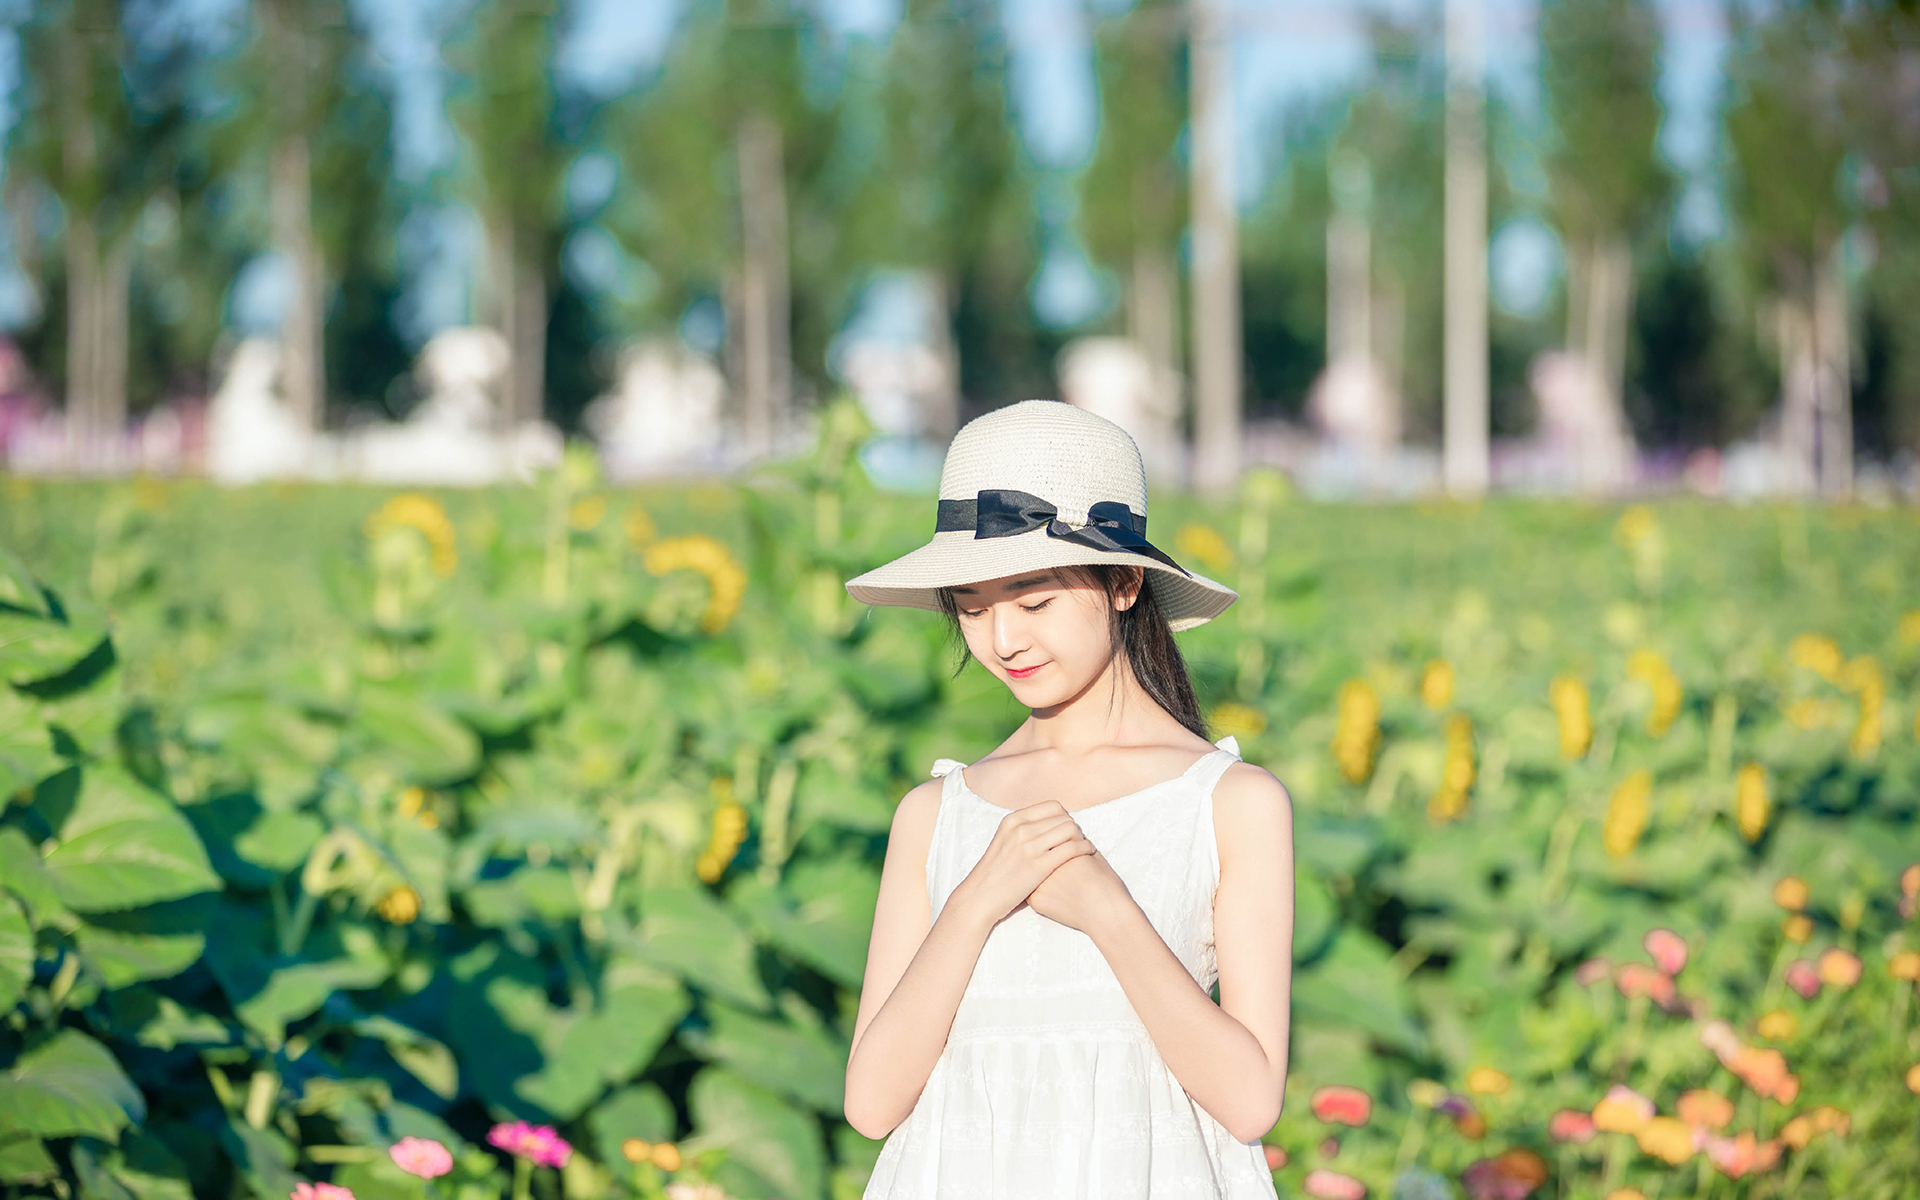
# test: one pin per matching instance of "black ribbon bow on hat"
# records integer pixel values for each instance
(1004, 512)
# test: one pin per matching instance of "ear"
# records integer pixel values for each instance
(1130, 590)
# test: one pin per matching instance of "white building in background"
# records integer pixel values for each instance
(666, 413)
(1114, 378)
(251, 436)
(453, 435)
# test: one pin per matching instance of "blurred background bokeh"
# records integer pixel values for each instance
(438, 755)
(1668, 245)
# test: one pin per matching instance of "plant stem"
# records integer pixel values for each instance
(522, 1178)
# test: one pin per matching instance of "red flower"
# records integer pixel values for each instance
(1276, 1157)
(1512, 1175)
(1638, 979)
(1571, 1125)
(1337, 1104)
(1804, 978)
(1669, 950)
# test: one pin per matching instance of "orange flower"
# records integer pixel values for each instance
(1622, 1110)
(1910, 881)
(1788, 1089)
(1704, 1106)
(1797, 1132)
(1667, 948)
(1797, 928)
(1838, 968)
(1762, 1070)
(1488, 1081)
(1778, 1026)
(1337, 1104)
(1905, 965)
(1667, 1139)
(1792, 893)
(1913, 1078)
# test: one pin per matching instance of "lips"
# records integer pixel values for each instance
(1023, 672)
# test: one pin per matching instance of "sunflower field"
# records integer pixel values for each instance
(525, 840)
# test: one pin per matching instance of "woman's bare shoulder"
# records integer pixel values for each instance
(1251, 804)
(913, 818)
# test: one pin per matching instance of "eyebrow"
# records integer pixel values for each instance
(1014, 586)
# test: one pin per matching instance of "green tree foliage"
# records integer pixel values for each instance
(504, 106)
(1132, 198)
(939, 190)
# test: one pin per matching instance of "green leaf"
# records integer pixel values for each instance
(427, 1060)
(410, 736)
(821, 914)
(1356, 983)
(34, 648)
(264, 1158)
(295, 991)
(800, 1062)
(760, 1129)
(279, 841)
(16, 953)
(155, 942)
(686, 930)
(27, 754)
(69, 1085)
(25, 1160)
(122, 846)
(642, 1112)
(163, 1022)
(23, 874)
(142, 1168)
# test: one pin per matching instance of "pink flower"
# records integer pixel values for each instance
(539, 1144)
(1592, 971)
(1323, 1184)
(1638, 979)
(1803, 977)
(320, 1191)
(1719, 1037)
(1337, 1104)
(422, 1157)
(1669, 950)
(1570, 1125)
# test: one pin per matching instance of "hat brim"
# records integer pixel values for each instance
(956, 558)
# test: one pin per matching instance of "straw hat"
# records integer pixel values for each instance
(1034, 485)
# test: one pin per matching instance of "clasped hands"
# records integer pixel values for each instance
(1040, 859)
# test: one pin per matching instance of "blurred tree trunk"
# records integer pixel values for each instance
(505, 107)
(1787, 127)
(1217, 346)
(98, 263)
(1153, 291)
(1464, 428)
(288, 52)
(1131, 203)
(765, 302)
(1599, 63)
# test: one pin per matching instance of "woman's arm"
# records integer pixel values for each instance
(916, 975)
(1230, 1057)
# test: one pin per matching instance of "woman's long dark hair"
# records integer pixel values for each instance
(1139, 631)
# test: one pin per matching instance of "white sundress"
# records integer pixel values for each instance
(1049, 1087)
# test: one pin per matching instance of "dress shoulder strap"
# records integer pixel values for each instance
(1208, 770)
(945, 766)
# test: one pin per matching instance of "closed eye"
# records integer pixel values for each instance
(1036, 607)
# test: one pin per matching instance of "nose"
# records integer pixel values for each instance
(1009, 631)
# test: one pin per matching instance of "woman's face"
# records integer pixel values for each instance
(1044, 633)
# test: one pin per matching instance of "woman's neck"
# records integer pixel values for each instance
(1113, 709)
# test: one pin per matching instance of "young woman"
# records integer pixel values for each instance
(1036, 1019)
